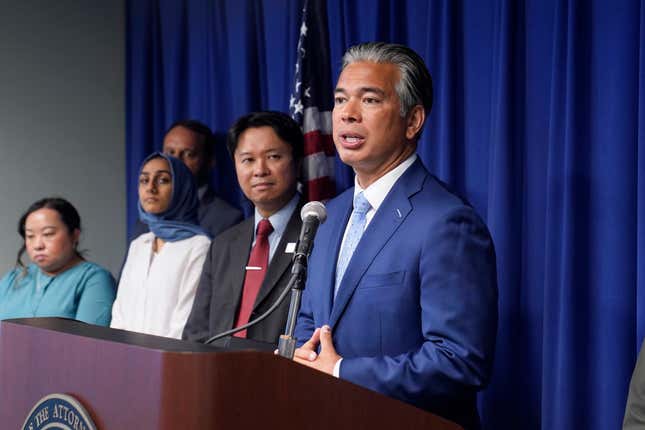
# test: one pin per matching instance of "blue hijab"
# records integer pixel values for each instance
(180, 220)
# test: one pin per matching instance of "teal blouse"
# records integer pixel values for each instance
(84, 292)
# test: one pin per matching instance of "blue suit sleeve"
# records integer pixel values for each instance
(305, 323)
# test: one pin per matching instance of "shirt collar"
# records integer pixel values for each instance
(280, 219)
(377, 191)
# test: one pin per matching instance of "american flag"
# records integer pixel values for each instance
(311, 101)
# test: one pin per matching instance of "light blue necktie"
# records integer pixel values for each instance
(354, 233)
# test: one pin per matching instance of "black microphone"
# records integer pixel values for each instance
(312, 214)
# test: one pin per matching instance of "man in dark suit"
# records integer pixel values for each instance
(236, 285)
(193, 143)
(401, 295)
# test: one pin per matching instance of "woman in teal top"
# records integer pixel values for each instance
(59, 282)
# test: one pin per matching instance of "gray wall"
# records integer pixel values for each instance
(62, 118)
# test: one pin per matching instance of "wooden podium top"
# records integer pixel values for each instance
(133, 381)
(160, 343)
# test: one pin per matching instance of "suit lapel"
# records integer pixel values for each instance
(281, 261)
(331, 249)
(239, 256)
(392, 212)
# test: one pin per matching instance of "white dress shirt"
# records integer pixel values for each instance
(156, 290)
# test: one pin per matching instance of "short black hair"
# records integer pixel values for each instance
(68, 214)
(201, 129)
(282, 124)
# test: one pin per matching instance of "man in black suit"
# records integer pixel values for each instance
(193, 143)
(240, 281)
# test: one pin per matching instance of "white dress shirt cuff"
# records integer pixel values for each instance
(336, 371)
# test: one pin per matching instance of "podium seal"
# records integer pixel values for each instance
(58, 412)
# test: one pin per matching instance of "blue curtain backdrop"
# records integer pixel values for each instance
(539, 121)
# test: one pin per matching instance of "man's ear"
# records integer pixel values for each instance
(415, 120)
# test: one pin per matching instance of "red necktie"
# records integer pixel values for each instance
(256, 269)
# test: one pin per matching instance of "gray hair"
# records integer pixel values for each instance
(414, 87)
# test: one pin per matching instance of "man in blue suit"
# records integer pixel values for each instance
(401, 295)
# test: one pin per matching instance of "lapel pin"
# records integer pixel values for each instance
(398, 212)
(253, 268)
(290, 248)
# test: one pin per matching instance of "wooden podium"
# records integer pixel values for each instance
(133, 381)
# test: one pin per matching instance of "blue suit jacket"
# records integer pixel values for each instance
(415, 317)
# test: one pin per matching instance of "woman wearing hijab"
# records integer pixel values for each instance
(162, 270)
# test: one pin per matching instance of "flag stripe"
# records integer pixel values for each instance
(317, 142)
(316, 120)
(318, 165)
(321, 189)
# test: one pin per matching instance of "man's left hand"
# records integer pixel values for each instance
(326, 359)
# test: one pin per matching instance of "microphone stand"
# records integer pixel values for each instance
(287, 343)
